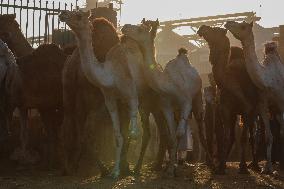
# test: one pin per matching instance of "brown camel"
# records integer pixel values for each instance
(41, 85)
(105, 37)
(266, 75)
(238, 93)
(113, 77)
(78, 104)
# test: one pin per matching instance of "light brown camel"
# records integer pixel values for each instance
(113, 77)
(40, 72)
(177, 85)
(149, 102)
(268, 76)
(238, 95)
(104, 38)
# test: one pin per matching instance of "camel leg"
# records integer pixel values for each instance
(254, 141)
(124, 122)
(186, 110)
(133, 110)
(268, 139)
(229, 121)
(111, 105)
(163, 145)
(197, 109)
(243, 166)
(50, 120)
(169, 115)
(280, 119)
(209, 131)
(24, 129)
(64, 142)
(145, 138)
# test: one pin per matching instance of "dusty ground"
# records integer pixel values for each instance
(193, 176)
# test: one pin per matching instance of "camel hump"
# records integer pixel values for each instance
(104, 37)
(270, 47)
(182, 51)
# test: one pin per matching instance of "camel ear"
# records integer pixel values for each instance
(157, 22)
(12, 16)
(251, 24)
(143, 21)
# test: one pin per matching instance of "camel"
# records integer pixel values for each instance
(238, 94)
(179, 85)
(113, 77)
(104, 38)
(41, 86)
(267, 76)
(9, 86)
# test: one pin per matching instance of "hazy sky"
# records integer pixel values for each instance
(271, 11)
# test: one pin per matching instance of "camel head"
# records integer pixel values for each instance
(239, 30)
(212, 35)
(8, 26)
(76, 20)
(146, 32)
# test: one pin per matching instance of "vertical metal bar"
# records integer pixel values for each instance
(15, 6)
(27, 22)
(39, 22)
(58, 21)
(76, 4)
(65, 33)
(53, 14)
(21, 13)
(46, 23)
(1, 7)
(7, 10)
(33, 39)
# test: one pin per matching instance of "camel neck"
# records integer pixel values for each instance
(254, 68)
(19, 45)
(149, 55)
(219, 57)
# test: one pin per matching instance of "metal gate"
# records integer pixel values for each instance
(39, 19)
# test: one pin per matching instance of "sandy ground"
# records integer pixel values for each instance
(192, 176)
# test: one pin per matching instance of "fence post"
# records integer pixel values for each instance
(27, 22)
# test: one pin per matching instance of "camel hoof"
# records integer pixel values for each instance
(137, 170)
(243, 171)
(157, 167)
(114, 175)
(266, 171)
(104, 173)
(254, 166)
(134, 134)
(171, 172)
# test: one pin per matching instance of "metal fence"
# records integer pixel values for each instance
(39, 19)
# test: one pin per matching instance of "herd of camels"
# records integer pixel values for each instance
(118, 77)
